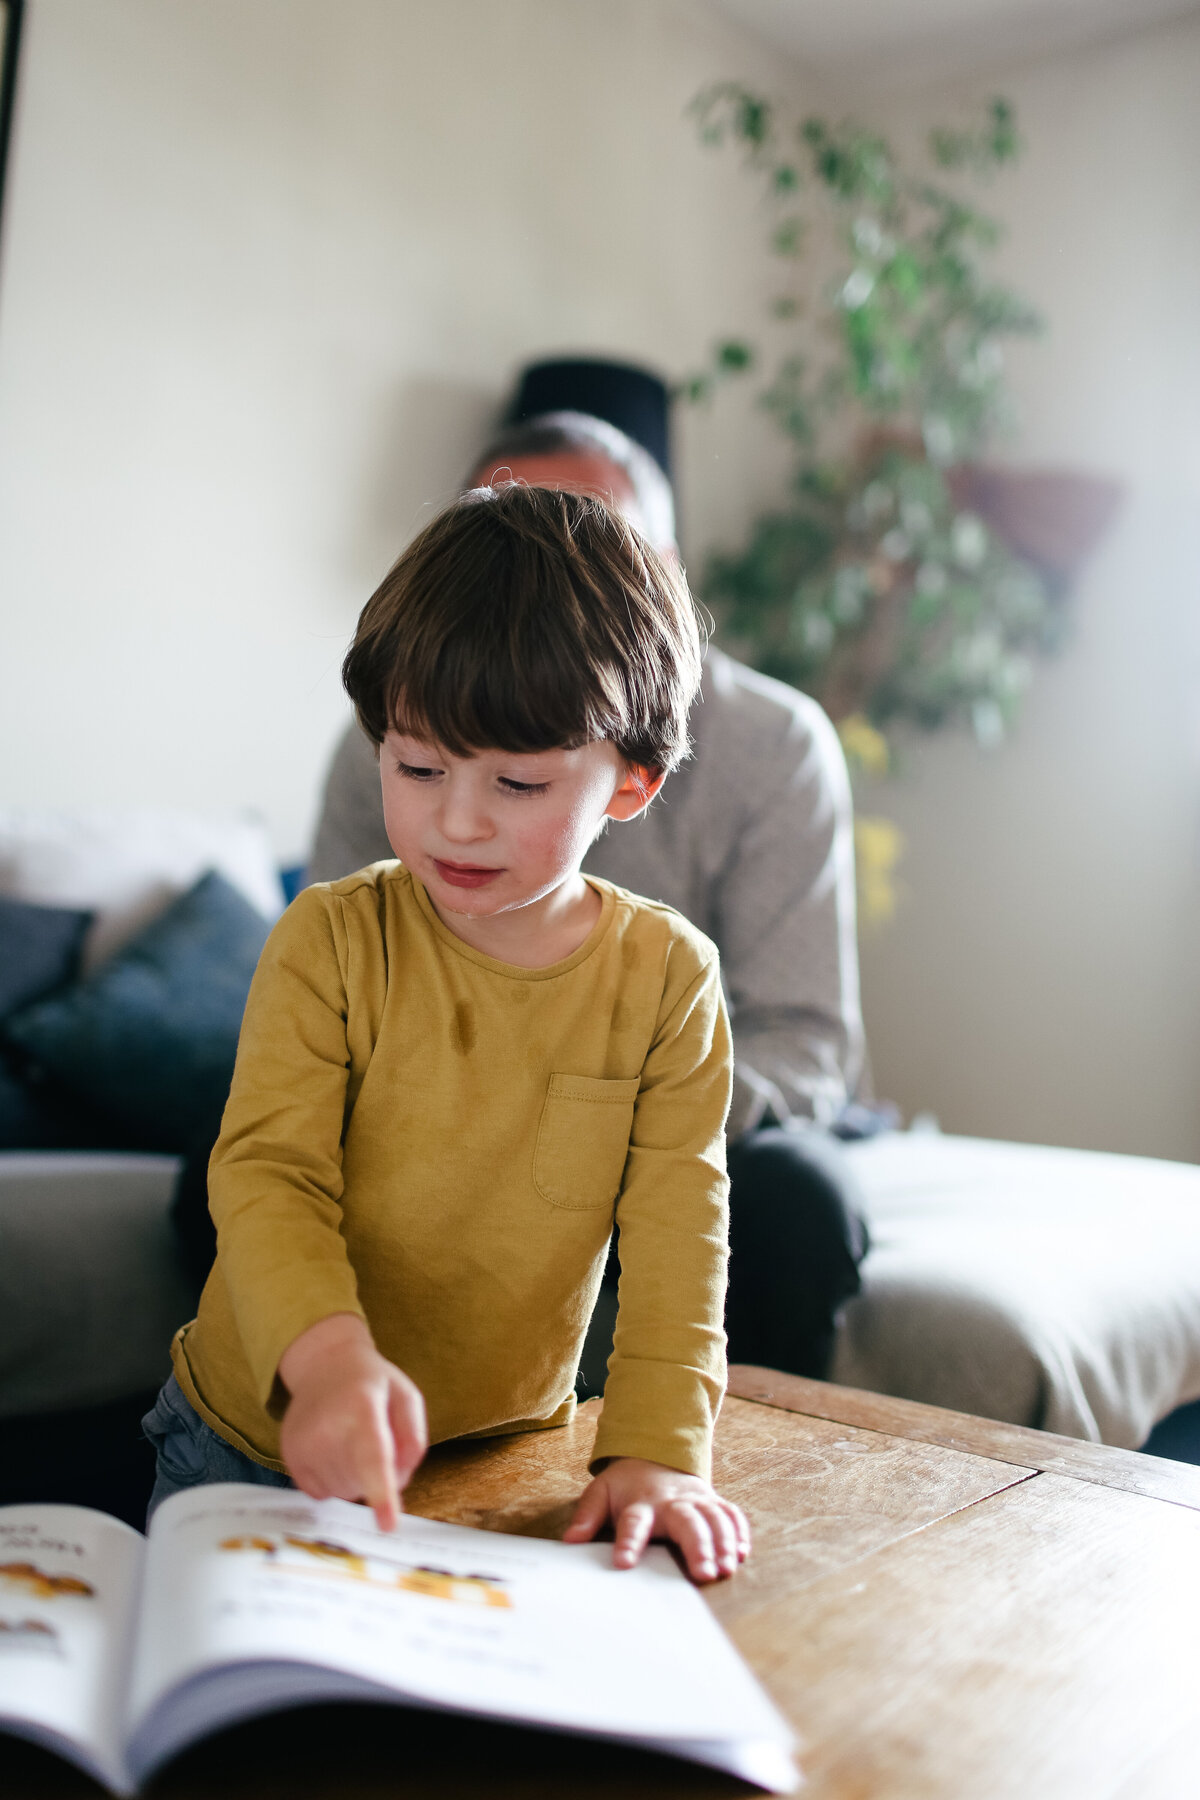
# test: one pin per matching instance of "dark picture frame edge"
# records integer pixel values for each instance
(12, 14)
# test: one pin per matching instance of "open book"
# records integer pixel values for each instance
(117, 1650)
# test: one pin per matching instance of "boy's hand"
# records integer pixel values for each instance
(354, 1428)
(645, 1500)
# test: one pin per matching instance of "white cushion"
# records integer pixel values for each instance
(127, 866)
(91, 1290)
(1045, 1287)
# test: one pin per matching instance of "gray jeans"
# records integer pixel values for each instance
(191, 1454)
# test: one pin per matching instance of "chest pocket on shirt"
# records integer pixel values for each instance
(583, 1140)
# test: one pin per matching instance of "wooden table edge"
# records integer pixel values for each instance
(1153, 1477)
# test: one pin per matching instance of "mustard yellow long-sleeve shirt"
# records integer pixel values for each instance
(439, 1143)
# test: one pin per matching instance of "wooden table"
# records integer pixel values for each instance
(946, 1608)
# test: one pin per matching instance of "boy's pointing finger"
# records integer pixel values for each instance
(381, 1496)
(378, 1476)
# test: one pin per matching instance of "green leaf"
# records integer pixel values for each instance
(982, 148)
(753, 119)
(788, 237)
(734, 356)
(695, 388)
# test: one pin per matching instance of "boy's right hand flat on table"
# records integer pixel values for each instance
(647, 1499)
(354, 1428)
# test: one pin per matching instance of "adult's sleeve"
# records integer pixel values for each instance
(275, 1178)
(785, 921)
(666, 1376)
(350, 830)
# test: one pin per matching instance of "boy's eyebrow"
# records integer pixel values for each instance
(410, 736)
(532, 756)
(424, 747)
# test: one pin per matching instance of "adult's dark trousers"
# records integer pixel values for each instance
(797, 1234)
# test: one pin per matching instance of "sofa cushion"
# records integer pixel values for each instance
(90, 1285)
(39, 950)
(1046, 1287)
(149, 1040)
(127, 865)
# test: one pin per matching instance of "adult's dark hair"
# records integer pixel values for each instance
(580, 434)
(530, 619)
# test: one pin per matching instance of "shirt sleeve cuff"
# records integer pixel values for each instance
(281, 1324)
(639, 1396)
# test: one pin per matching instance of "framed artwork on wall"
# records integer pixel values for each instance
(10, 44)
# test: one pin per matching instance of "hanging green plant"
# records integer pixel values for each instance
(879, 587)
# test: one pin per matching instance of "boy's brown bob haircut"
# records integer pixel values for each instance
(529, 619)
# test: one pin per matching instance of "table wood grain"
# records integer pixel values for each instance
(821, 1495)
(1042, 1642)
(946, 1609)
(1154, 1476)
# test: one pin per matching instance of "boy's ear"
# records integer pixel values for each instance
(635, 793)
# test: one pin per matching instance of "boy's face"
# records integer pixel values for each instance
(497, 831)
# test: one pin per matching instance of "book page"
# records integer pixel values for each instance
(68, 1595)
(515, 1628)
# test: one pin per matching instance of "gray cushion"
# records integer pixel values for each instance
(90, 1284)
(1046, 1287)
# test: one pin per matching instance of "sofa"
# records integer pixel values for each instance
(1042, 1286)
(1046, 1287)
(127, 943)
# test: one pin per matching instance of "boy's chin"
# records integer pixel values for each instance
(485, 903)
(467, 906)
(471, 903)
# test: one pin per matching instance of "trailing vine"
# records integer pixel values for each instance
(877, 586)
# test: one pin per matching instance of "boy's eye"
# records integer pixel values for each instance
(414, 773)
(523, 787)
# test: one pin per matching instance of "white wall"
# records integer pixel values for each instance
(1043, 978)
(270, 264)
(268, 268)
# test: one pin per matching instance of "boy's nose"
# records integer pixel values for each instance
(463, 819)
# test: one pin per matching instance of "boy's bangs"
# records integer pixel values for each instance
(526, 620)
(476, 697)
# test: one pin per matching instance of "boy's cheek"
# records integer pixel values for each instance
(402, 817)
(545, 843)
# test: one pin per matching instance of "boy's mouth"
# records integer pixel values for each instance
(465, 875)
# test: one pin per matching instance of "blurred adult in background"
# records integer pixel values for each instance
(752, 841)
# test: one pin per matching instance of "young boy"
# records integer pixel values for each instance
(456, 1070)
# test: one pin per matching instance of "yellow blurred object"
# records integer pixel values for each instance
(866, 749)
(878, 847)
